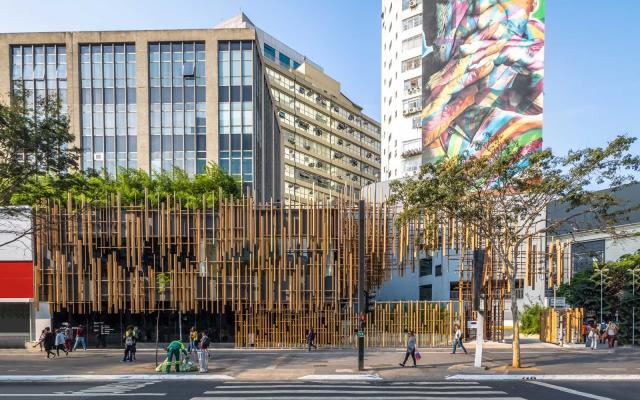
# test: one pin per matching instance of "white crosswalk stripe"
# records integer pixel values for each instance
(445, 390)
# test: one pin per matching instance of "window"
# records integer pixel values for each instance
(412, 86)
(583, 253)
(285, 61)
(411, 63)
(410, 4)
(454, 292)
(412, 42)
(426, 266)
(177, 103)
(416, 122)
(236, 107)
(426, 292)
(412, 105)
(269, 52)
(439, 270)
(412, 22)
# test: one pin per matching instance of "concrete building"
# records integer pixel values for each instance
(158, 99)
(401, 87)
(331, 148)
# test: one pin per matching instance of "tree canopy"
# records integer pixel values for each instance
(95, 188)
(504, 194)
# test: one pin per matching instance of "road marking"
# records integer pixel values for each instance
(338, 391)
(502, 377)
(571, 391)
(79, 394)
(344, 371)
(441, 386)
(435, 383)
(358, 377)
(374, 396)
(108, 378)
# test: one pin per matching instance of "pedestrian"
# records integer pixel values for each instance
(205, 341)
(612, 333)
(602, 333)
(457, 340)
(40, 339)
(68, 337)
(411, 349)
(49, 342)
(193, 340)
(80, 338)
(594, 336)
(173, 353)
(584, 331)
(129, 341)
(59, 343)
(311, 336)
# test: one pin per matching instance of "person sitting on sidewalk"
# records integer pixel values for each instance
(173, 353)
(457, 340)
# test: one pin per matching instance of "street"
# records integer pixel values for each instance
(445, 390)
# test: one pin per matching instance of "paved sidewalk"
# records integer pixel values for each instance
(537, 359)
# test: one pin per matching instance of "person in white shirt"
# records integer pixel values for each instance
(59, 343)
(457, 340)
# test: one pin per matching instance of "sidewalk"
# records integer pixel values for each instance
(292, 364)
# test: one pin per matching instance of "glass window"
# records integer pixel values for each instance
(269, 52)
(285, 61)
(412, 22)
(412, 42)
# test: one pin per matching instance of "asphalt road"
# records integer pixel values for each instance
(429, 390)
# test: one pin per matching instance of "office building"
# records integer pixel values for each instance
(155, 100)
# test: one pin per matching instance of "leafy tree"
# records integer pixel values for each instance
(504, 195)
(531, 319)
(132, 184)
(34, 142)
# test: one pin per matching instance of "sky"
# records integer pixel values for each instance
(592, 61)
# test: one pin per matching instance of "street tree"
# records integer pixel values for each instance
(34, 141)
(504, 197)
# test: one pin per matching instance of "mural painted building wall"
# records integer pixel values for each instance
(483, 70)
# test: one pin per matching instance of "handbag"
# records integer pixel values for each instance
(418, 356)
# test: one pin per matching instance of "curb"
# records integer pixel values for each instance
(103, 378)
(358, 377)
(611, 377)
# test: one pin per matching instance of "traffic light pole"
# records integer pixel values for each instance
(361, 285)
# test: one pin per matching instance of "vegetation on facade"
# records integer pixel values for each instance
(131, 184)
(503, 196)
(617, 293)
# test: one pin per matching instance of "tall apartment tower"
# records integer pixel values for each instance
(231, 94)
(401, 87)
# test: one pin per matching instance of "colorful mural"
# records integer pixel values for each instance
(483, 69)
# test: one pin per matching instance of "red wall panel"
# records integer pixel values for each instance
(16, 279)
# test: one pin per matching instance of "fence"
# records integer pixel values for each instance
(570, 320)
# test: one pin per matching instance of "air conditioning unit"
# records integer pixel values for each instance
(413, 4)
(98, 156)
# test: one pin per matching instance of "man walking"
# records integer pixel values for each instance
(80, 338)
(68, 337)
(311, 336)
(457, 340)
(411, 349)
(49, 342)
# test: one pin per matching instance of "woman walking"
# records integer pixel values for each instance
(593, 336)
(457, 340)
(612, 333)
(411, 349)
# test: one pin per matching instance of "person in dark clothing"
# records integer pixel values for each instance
(411, 349)
(129, 340)
(311, 336)
(49, 342)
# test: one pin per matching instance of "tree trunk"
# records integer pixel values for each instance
(515, 363)
(157, 335)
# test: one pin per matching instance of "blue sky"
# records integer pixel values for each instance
(592, 71)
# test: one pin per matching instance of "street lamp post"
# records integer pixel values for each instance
(600, 271)
(635, 271)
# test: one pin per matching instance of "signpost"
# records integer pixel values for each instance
(361, 286)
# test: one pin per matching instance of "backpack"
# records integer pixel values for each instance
(128, 340)
(206, 341)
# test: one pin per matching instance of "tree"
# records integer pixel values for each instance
(34, 141)
(503, 195)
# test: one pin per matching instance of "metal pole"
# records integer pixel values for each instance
(601, 283)
(361, 284)
(633, 309)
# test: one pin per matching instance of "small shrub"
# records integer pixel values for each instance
(530, 321)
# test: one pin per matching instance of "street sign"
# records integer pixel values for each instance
(472, 324)
(560, 302)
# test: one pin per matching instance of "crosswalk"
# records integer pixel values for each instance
(445, 390)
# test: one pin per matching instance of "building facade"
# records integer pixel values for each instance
(155, 100)
(331, 148)
(401, 87)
